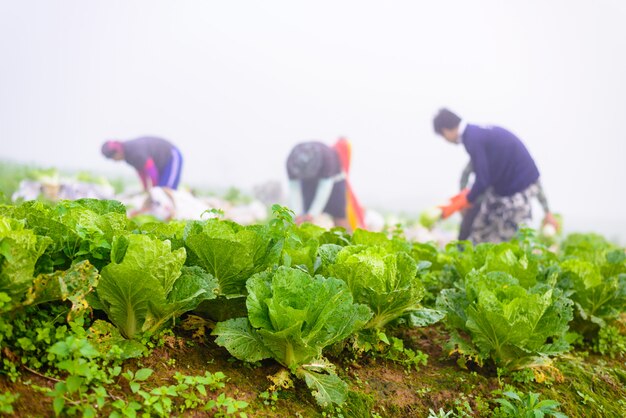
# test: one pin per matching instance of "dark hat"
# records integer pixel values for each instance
(305, 161)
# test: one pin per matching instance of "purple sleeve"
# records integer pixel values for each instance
(151, 172)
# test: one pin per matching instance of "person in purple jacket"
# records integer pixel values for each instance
(156, 160)
(506, 179)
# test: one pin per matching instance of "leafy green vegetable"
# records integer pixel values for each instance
(292, 318)
(172, 231)
(380, 239)
(80, 230)
(589, 247)
(441, 273)
(429, 217)
(300, 247)
(73, 284)
(593, 272)
(514, 326)
(95, 223)
(385, 281)
(597, 298)
(310, 247)
(143, 286)
(20, 250)
(230, 252)
(110, 343)
(465, 257)
(510, 258)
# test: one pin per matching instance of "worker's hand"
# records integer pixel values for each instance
(550, 219)
(303, 218)
(457, 202)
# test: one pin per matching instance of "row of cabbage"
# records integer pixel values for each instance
(286, 292)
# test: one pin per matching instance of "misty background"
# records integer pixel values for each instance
(236, 84)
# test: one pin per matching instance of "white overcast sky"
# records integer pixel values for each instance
(235, 84)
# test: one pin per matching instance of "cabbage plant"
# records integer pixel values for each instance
(387, 282)
(79, 230)
(20, 249)
(231, 252)
(593, 271)
(145, 285)
(292, 317)
(493, 317)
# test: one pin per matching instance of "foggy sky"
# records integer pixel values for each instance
(236, 84)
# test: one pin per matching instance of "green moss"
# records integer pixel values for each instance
(589, 389)
(358, 405)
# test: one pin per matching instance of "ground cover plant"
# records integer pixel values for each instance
(105, 316)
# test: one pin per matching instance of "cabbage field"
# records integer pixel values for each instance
(104, 315)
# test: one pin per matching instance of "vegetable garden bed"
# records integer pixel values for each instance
(102, 316)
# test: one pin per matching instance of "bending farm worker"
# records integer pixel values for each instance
(506, 179)
(157, 161)
(318, 183)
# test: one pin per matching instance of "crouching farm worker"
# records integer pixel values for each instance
(506, 179)
(157, 161)
(318, 183)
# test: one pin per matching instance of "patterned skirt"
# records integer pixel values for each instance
(499, 217)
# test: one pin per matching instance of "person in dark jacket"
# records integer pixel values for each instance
(157, 161)
(506, 179)
(317, 183)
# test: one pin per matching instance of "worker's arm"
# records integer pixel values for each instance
(295, 197)
(548, 218)
(322, 194)
(144, 180)
(541, 196)
(467, 171)
(482, 178)
(149, 175)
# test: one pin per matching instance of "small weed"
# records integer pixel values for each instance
(440, 414)
(610, 342)
(515, 405)
(269, 398)
(6, 402)
(523, 376)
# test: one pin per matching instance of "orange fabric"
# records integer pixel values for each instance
(354, 210)
(457, 203)
(344, 149)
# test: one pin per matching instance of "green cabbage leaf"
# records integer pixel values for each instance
(514, 326)
(387, 282)
(145, 285)
(292, 317)
(230, 252)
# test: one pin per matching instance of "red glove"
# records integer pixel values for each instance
(458, 202)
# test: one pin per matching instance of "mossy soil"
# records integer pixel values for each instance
(586, 386)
